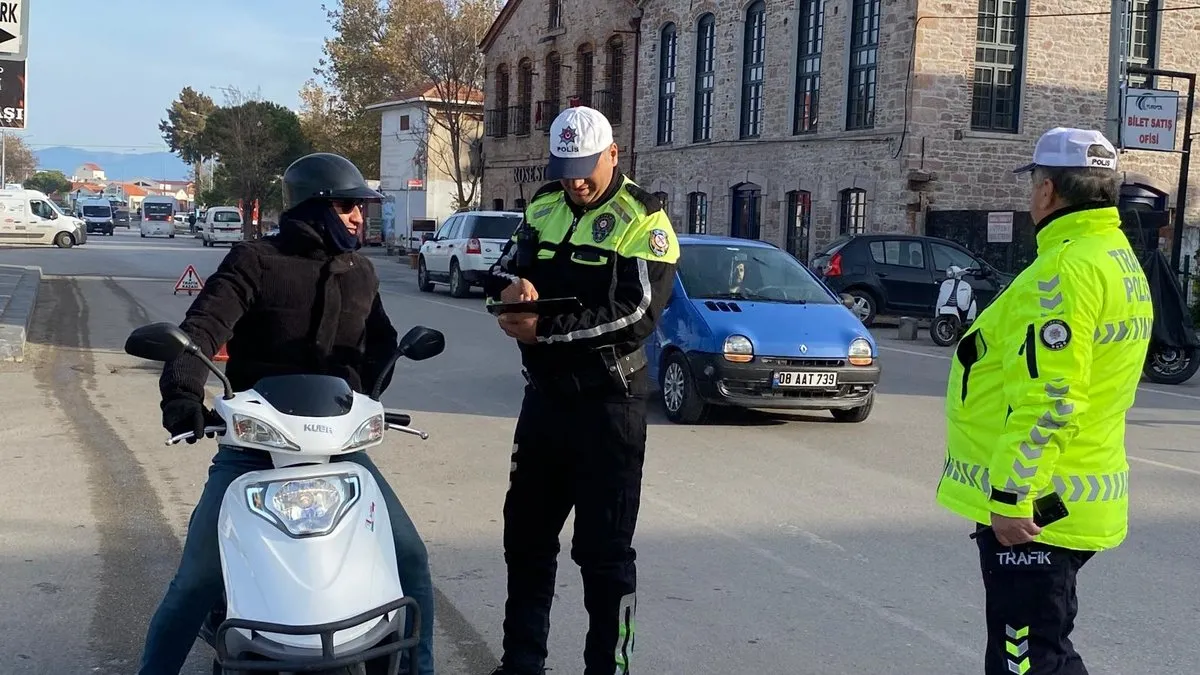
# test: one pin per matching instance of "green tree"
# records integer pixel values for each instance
(183, 130)
(254, 141)
(364, 62)
(48, 182)
(19, 162)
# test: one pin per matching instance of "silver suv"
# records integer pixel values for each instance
(463, 249)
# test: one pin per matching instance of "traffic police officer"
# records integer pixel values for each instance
(1036, 404)
(580, 439)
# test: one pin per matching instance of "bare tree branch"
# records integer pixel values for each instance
(442, 48)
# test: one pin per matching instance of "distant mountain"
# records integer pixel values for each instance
(116, 165)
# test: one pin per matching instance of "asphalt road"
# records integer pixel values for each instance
(775, 544)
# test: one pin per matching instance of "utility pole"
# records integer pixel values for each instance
(1118, 20)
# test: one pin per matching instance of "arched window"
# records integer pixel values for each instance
(522, 111)
(666, 84)
(584, 74)
(798, 224)
(549, 107)
(706, 78)
(864, 53)
(613, 95)
(852, 204)
(662, 197)
(697, 222)
(497, 118)
(809, 42)
(746, 211)
(754, 50)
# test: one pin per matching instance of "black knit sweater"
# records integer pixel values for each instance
(286, 305)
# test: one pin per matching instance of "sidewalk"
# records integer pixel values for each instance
(18, 296)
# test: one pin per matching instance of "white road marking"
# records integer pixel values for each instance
(1164, 465)
(937, 637)
(451, 305)
(944, 357)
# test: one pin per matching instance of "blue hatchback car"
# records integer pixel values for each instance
(750, 326)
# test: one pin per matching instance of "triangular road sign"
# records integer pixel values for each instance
(190, 281)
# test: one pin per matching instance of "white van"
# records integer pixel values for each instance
(97, 214)
(29, 217)
(222, 225)
(158, 216)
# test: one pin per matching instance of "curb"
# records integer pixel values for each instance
(17, 312)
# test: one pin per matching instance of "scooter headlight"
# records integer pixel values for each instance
(304, 507)
(248, 429)
(370, 432)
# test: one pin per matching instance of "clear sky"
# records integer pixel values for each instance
(101, 73)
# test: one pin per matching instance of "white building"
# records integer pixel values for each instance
(416, 165)
(89, 172)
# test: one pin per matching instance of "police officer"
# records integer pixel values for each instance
(1036, 405)
(304, 301)
(580, 440)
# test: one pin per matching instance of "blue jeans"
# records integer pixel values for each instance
(198, 584)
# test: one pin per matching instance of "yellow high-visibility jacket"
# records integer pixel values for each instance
(1040, 384)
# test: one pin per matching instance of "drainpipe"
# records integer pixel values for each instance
(636, 23)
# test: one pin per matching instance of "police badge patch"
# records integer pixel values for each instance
(659, 243)
(603, 226)
(1056, 334)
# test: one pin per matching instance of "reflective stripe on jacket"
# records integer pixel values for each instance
(1040, 385)
(617, 256)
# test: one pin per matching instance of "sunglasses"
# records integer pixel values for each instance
(348, 205)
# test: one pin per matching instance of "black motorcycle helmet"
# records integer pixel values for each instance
(324, 175)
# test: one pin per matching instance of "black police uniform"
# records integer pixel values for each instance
(580, 439)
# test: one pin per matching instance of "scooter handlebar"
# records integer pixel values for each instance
(396, 417)
(208, 431)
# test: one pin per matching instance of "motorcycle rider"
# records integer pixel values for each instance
(302, 302)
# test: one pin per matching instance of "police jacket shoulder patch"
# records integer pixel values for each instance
(647, 199)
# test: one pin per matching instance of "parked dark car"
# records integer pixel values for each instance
(899, 273)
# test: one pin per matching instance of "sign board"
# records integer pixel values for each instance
(529, 174)
(190, 281)
(1000, 227)
(416, 184)
(12, 93)
(1149, 119)
(14, 29)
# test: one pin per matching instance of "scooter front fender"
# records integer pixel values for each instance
(278, 577)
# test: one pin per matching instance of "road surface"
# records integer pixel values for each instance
(768, 543)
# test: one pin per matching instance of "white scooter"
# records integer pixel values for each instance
(955, 309)
(307, 555)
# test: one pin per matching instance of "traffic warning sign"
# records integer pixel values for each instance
(190, 281)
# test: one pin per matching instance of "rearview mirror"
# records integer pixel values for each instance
(847, 300)
(421, 343)
(158, 342)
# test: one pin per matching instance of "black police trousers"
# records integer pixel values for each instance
(583, 451)
(1031, 607)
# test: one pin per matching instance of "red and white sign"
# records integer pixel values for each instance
(1150, 117)
(190, 281)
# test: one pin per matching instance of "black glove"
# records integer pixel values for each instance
(182, 415)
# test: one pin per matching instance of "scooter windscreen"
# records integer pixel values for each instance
(307, 395)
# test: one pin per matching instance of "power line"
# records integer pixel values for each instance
(912, 49)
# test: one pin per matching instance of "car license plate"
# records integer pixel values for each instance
(794, 379)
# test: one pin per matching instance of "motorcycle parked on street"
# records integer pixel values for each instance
(1174, 353)
(311, 581)
(955, 309)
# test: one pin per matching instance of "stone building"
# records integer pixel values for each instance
(799, 121)
(541, 56)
